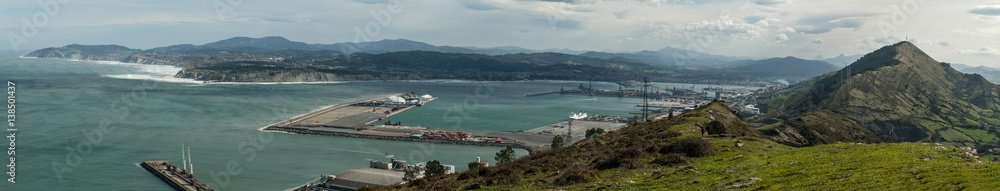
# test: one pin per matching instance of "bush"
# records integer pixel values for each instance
(621, 157)
(504, 175)
(575, 174)
(467, 175)
(671, 159)
(667, 134)
(692, 147)
(715, 127)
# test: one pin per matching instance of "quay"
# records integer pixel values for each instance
(352, 120)
(177, 178)
(546, 93)
(530, 140)
(357, 114)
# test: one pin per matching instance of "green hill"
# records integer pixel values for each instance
(819, 127)
(669, 154)
(902, 94)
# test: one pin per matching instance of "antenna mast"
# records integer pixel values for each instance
(645, 98)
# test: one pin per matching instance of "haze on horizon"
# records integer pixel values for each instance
(961, 31)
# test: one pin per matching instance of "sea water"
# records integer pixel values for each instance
(86, 125)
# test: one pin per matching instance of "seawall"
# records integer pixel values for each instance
(395, 138)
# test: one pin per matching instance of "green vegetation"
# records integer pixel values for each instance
(409, 175)
(434, 168)
(474, 165)
(505, 155)
(818, 127)
(557, 142)
(901, 94)
(593, 132)
(669, 154)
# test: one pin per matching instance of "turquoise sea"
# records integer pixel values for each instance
(86, 125)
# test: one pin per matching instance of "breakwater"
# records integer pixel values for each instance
(177, 178)
(398, 138)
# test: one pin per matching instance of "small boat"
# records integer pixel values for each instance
(383, 118)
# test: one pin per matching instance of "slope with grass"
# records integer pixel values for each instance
(669, 154)
(819, 127)
(902, 94)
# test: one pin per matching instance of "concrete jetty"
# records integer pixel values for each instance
(175, 177)
(354, 115)
(352, 120)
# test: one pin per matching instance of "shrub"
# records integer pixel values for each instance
(575, 174)
(504, 175)
(467, 175)
(621, 157)
(667, 134)
(692, 147)
(671, 159)
(715, 127)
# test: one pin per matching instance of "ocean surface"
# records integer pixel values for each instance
(86, 125)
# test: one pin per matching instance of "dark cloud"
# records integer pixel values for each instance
(622, 14)
(372, 1)
(754, 19)
(819, 24)
(990, 10)
(563, 24)
(768, 2)
(477, 5)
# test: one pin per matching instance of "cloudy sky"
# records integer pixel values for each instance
(958, 31)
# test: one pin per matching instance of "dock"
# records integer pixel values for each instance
(352, 120)
(354, 115)
(175, 177)
(546, 93)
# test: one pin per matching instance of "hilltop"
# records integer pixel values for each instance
(901, 94)
(669, 154)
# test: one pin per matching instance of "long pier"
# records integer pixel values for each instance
(397, 138)
(546, 93)
(351, 115)
(351, 120)
(176, 178)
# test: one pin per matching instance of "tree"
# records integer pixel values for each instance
(594, 131)
(671, 115)
(557, 142)
(505, 155)
(474, 165)
(409, 175)
(434, 168)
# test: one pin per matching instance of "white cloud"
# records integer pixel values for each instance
(781, 37)
(985, 51)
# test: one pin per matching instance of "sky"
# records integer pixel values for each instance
(956, 31)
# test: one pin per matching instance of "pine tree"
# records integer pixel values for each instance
(557, 142)
(505, 155)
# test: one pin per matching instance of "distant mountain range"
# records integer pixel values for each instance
(902, 94)
(669, 64)
(841, 60)
(784, 67)
(990, 73)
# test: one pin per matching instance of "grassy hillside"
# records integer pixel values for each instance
(902, 94)
(669, 154)
(819, 127)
